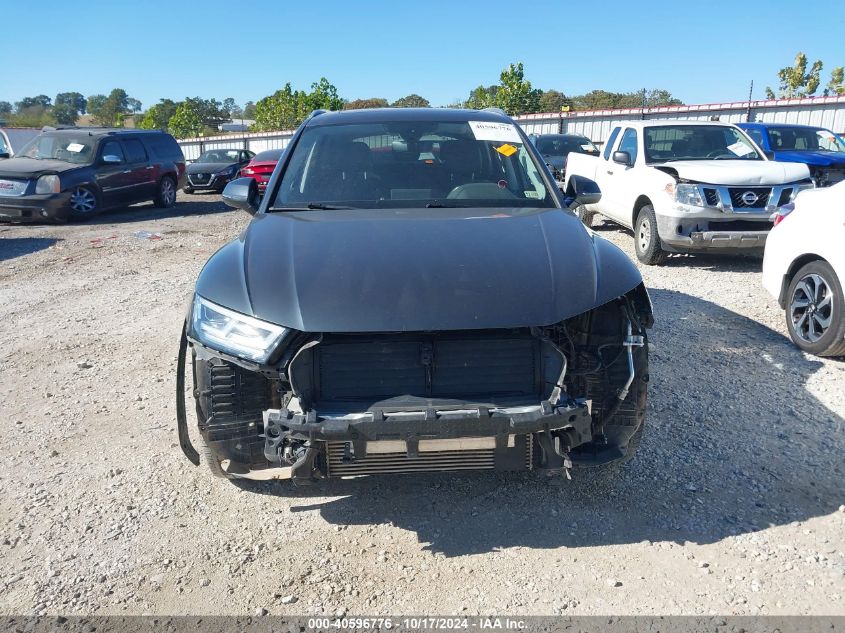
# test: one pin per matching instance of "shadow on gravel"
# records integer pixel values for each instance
(12, 247)
(734, 443)
(147, 212)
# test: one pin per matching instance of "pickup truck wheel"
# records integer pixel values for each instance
(646, 239)
(166, 196)
(815, 312)
(584, 215)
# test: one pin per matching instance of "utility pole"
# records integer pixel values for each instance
(748, 117)
(642, 116)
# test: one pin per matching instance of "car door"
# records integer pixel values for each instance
(113, 178)
(605, 171)
(142, 176)
(621, 180)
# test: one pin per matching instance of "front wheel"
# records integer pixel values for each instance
(646, 238)
(166, 196)
(815, 313)
(83, 203)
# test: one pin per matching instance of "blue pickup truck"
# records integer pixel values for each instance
(820, 149)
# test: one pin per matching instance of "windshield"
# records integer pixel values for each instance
(65, 147)
(219, 156)
(413, 164)
(697, 142)
(562, 145)
(804, 139)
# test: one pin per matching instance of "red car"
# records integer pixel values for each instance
(261, 167)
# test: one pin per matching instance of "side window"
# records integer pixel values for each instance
(113, 148)
(610, 141)
(246, 156)
(629, 144)
(3, 148)
(756, 136)
(135, 152)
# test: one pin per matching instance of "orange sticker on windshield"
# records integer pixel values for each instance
(506, 150)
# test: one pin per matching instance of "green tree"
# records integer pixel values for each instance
(5, 107)
(554, 101)
(68, 106)
(515, 94)
(230, 108)
(482, 97)
(796, 80)
(283, 110)
(158, 116)
(249, 110)
(28, 102)
(411, 101)
(323, 96)
(836, 85)
(186, 121)
(109, 111)
(33, 116)
(362, 104)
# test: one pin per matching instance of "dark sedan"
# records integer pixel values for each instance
(556, 147)
(216, 167)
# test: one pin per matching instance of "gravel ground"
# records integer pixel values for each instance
(734, 504)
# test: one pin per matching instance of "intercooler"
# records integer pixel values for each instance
(433, 456)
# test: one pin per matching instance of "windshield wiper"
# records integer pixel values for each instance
(440, 205)
(314, 206)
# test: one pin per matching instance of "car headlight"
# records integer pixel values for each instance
(688, 195)
(229, 171)
(47, 184)
(238, 334)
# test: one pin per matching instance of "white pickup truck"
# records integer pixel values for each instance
(686, 186)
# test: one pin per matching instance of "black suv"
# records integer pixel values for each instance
(412, 295)
(79, 172)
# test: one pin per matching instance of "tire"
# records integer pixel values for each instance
(84, 203)
(166, 196)
(188, 190)
(646, 239)
(815, 310)
(584, 215)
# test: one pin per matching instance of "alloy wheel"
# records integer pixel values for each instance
(810, 308)
(168, 192)
(83, 200)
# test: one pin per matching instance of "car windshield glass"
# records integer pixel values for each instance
(64, 147)
(413, 164)
(697, 142)
(562, 145)
(219, 156)
(804, 139)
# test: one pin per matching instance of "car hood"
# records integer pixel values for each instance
(416, 269)
(207, 168)
(819, 158)
(32, 168)
(738, 172)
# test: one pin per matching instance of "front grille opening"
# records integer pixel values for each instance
(500, 367)
(711, 197)
(785, 196)
(740, 225)
(749, 197)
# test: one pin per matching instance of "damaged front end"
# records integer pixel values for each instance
(345, 404)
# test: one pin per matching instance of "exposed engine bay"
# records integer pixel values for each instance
(345, 404)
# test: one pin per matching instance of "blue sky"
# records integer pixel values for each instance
(701, 52)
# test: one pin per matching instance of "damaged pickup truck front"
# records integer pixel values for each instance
(412, 295)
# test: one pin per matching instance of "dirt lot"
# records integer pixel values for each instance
(734, 504)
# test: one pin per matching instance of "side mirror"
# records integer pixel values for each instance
(623, 158)
(111, 159)
(242, 194)
(769, 154)
(583, 190)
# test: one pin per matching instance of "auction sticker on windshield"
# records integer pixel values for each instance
(740, 149)
(492, 131)
(75, 147)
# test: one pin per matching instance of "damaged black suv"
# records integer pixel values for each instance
(413, 295)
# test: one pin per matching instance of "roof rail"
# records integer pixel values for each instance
(317, 113)
(495, 111)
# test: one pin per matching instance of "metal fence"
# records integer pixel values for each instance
(826, 112)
